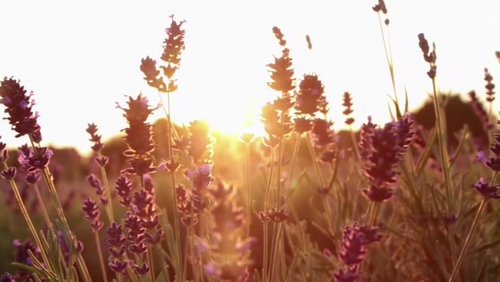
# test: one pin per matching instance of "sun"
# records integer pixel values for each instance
(237, 120)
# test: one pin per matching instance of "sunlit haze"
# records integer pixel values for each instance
(81, 58)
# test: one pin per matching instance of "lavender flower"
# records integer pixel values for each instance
(382, 149)
(480, 112)
(281, 70)
(201, 177)
(91, 213)
(95, 183)
(307, 98)
(200, 142)
(135, 234)
(116, 240)
(34, 159)
(355, 241)
(7, 277)
(33, 177)
(493, 162)
(228, 251)
(138, 136)
(489, 192)
(94, 137)
(19, 109)
(347, 103)
(173, 47)
(123, 187)
(8, 173)
(4, 153)
(429, 56)
(152, 74)
(350, 275)
(322, 133)
(489, 86)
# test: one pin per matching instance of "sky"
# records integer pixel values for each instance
(82, 57)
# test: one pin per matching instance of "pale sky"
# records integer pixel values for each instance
(81, 57)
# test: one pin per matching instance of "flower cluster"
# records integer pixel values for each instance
(97, 144)
(141, 227)
(91, 214)
(281, 70)
(172, 49)
(116, 247)
(274, 214)
(33, 160)
(488, 191)
(191, 202)
(22, 256)
(309, 100)
(382, 149)
(480, 112)
(19, 109)
(347, 103)
(353, 250)
(200, 142)
(123, 187)
(10, 172)
(144, 207)
(138, 136)
(275, 115)
(429, 56)
(225, 252)
(324, 138)
(490, 86)
(95, 183)
(493, 162)
(380, 7)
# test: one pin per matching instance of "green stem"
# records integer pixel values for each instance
(45, 213)
(467, 241)
(179, 265)
(28, 220)
(443, 151)
(294, 157)
(101, 258)
(109, 205)
(472, 228)
(60, 213)
(265, 258)
(314, 160)
(247, 188)
(151, 264)
(388, 57)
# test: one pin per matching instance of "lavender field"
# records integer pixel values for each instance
(414, 198)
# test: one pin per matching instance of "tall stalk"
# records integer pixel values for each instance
(179, 266)
(60, 213)
(472, 228)
(109, 205)
(27, 218)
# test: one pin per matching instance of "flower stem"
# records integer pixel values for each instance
(45, 213)
(101, 258)
(472, 228)
(109, 205)
(179, 265)
(247, 188)
(467, 241)
(28, 220)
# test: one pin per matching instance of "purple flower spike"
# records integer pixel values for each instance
(489, 192)
(19, 108)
